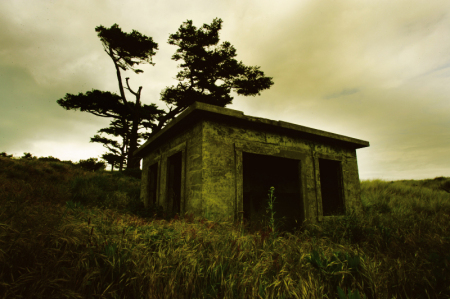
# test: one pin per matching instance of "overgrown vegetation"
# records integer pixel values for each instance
(66, 232)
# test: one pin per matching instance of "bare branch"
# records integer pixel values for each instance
(129, 88)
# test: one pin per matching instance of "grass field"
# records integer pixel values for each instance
(68, 233)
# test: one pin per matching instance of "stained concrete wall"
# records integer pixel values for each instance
(223, 147)
(189, 142)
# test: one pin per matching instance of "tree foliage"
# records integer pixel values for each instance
(127, 49)
(209, 70)
(117, 151)
(99, 103)
(107, 104)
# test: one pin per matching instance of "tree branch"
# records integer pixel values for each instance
(129, 88)
(101, 115)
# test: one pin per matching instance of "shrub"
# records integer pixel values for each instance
(28, 156)
(441, 178)
(445, 186)
(91, 164)
(3, 154)
(137, 207)
(136, 173)
(49, 159)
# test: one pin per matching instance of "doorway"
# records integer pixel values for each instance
(331, 187)
(260, 172)
(174, 183)
(152, 183)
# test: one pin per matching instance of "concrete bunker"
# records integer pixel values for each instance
(219, 164)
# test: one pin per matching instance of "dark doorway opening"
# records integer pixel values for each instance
(331, 187)
(262, 172)
(174, 183)
(153, 183)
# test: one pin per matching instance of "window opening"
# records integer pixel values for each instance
(331, 187)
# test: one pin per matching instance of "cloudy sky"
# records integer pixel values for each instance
(372, 70)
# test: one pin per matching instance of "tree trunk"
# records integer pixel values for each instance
(132, 161)
(121, 166)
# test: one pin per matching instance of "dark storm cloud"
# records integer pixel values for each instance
(344, 92)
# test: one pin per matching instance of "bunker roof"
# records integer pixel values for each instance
(201, 111)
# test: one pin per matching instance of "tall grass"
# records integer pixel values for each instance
(66, 233)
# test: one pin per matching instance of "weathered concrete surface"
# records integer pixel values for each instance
(213, 142)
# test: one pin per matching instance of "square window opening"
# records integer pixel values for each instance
(331, 187)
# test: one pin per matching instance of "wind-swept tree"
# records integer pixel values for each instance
(209, 71)
(127, 50)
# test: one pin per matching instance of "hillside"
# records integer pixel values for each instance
(70, 233)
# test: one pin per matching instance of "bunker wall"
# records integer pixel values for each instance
(223, 147)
